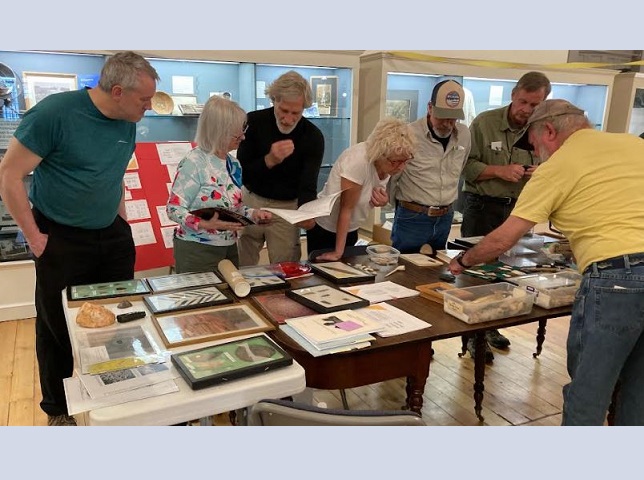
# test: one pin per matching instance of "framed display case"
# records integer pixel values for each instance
(393, 84)
(626, 113)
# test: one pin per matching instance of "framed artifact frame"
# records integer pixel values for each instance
(188, 299)
(40, 85)
(325, 94)
(277, 307)
(263, 278)
(229, 361)
(166, 283)
(105, 292)
(208, 325)
(326, 299)
(339, 272)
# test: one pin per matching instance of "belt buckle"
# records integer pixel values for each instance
(434, 211)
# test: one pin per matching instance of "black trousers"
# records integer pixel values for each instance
(481, 216)
(73, 256)
(319, 238)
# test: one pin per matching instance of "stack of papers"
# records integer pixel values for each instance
(332, 332)
(381, 291)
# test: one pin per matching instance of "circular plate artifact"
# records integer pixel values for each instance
(162, 103)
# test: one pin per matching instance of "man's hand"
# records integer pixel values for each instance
(511, 173)
(279, 151)
(261, 216)
(38, 243)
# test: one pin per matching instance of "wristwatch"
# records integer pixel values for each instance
(459, 259)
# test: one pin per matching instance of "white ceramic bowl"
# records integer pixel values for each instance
(383, 254)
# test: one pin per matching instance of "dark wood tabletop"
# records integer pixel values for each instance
(407, 355)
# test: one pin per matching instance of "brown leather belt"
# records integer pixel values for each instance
(432, 211)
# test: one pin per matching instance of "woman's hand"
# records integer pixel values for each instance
(261, 216)
(330, 256)
(215, 224)
(379, 197)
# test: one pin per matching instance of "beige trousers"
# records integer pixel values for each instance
(282, 239)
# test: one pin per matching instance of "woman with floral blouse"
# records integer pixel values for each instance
(208, 176)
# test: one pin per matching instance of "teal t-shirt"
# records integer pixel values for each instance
(84, 157)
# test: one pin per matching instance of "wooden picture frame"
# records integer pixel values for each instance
(208, 325)
(325, 95)
(167, 283)
(39, 85)
(187, 299)
(277, 307)
(341, 273)
(218, 364)
(326, 299)
(434, 291)
(107, 291)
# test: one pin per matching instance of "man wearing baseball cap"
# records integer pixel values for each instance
(427, 187)
(590, 188)
(496, 171)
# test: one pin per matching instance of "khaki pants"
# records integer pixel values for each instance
(282, 239)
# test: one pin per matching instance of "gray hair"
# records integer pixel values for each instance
(220, 120)
(564, 125)
(290, 85)
(123, 69)
(391, 136)
(533, 82)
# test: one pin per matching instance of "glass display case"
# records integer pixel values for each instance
(401, 87)
(626, 113)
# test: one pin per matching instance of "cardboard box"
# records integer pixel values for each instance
(380, 234)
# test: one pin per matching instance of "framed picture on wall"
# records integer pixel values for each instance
(325, 94)
(402, 104)
(40, 85)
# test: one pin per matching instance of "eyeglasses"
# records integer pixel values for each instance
(244, 129)
(397, 163)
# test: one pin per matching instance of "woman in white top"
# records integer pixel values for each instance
(361, 173)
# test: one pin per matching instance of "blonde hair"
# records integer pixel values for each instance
(220, 120)
(391, 136)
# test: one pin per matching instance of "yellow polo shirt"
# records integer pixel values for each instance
(592, 190)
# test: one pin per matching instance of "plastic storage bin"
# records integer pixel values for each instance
(551, 290)
(383, 254)
(487, 302)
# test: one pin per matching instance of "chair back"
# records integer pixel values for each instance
(288, 413)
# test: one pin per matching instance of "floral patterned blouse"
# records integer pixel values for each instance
(204, 180)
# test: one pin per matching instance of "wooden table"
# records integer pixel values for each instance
(407, 355)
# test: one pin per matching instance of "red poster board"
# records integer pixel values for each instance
(154, 178)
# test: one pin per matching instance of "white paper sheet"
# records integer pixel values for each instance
(137, 210)
(393, 320)
(142, 233)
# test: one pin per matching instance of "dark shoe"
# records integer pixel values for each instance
(497, 340)
(60, 421)
(489, 356)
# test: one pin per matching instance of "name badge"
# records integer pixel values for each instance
(496, 146)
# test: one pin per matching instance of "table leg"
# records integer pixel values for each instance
(415, 386)
(479, 373)
(541, 336)
(464, 339)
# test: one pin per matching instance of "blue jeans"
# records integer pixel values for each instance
(412, 229)
(605, 344)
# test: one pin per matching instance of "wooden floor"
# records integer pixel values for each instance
(519, 390)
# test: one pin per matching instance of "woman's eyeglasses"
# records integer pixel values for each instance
(397, 163)
(244, 129)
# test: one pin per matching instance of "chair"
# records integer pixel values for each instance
(271, 413)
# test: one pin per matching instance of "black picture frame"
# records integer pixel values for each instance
(106, 291)
(187, 299)
(229, 361)
(325, 95)
(341, 273)
(326, 298)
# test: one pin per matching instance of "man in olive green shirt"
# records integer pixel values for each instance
(496, 171)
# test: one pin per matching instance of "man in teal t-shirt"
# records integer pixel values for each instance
(78, 145)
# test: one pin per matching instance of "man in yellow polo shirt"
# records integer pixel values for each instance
(591, 190)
